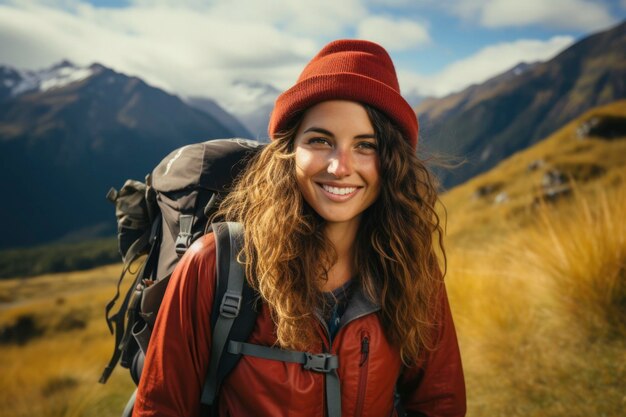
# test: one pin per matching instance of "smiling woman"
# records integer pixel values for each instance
(338, 219)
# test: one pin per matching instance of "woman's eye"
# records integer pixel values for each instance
(367, 146)
(318, 140)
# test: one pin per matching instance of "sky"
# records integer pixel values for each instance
(202, 47)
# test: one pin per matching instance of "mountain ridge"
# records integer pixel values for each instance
(488, 122)
(63, 147)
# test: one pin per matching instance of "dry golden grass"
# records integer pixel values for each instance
(55, 373)
(540, 311)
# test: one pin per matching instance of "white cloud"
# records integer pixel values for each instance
(485, 64)
(584, 15)
(315, 18)
(189, 47)
(393, 34)
(182, 50)
(566, 14)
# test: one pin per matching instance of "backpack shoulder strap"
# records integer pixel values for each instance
(233, 319)
(233, 314)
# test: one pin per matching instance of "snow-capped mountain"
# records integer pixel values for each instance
(15, 82)
(68, 134)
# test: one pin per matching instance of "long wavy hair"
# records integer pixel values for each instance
(287, 256)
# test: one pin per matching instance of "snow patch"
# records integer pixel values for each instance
(485, 154)
(65, 76)
(57, 76)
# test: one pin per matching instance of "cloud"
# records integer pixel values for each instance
(180, 49)
(393, 34)
(584, 15)
(566, 14)
(486, 63)
(314, 18)
(192, 47)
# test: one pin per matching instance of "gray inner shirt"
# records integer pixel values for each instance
(335, 305)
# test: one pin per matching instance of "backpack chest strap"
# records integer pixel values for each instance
(318, 362)
(325, 363)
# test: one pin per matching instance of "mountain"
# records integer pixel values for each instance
(488, 122)
(67, 134)
(211, 107)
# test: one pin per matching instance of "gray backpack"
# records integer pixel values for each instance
(157, 222)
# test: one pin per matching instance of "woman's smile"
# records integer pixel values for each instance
(339, 192)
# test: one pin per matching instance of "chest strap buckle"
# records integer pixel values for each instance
(320, 362)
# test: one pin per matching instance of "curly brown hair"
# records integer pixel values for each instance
(287, 256)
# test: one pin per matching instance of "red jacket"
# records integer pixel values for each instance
(178, 357)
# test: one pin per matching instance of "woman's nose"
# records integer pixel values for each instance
(340, 164)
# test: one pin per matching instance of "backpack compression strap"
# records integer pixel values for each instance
(122, 329)
(237, 299)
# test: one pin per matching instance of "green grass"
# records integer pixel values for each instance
(58, 258)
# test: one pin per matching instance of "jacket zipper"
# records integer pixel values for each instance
(363, 367)
(364, 354)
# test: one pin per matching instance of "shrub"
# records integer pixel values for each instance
(57, 384)
(23, 330)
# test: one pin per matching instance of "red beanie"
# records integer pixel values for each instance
(352, 70)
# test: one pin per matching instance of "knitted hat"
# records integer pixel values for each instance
(353, 70)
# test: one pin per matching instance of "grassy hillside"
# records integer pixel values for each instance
(537, 276)
(491, 203)
(540, 313)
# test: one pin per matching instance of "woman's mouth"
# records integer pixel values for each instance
(338, 194)
(338, 190)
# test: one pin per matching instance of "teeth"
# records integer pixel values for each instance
(339, 191)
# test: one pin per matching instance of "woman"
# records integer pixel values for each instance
(339, 222)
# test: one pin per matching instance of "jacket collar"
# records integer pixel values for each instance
(359, 305)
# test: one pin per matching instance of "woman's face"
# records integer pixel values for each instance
(337, 167)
